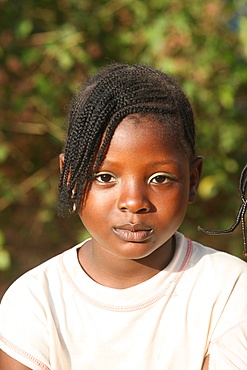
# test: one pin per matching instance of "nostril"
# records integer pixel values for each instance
(135, 209)
(143, 210)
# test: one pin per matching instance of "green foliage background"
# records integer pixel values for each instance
(48, 47)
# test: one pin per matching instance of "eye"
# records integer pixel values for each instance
(160, 178)
(104, 178)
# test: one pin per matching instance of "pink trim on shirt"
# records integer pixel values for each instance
(187, 257)
(139, 306)
(23, 353)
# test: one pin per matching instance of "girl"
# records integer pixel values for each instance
(137, 295)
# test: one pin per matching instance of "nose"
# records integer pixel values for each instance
(134, 198)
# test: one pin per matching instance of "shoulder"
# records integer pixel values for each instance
(216, 271)
(27, 307)
(216, 282)
(216, 261)
(34, 278)
(34, 285)
(200, 254)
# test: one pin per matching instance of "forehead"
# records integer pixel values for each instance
(145, 137)
(154, 126)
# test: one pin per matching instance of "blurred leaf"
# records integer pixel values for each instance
(208, 187)
(31, 55)
(5, 260)
(2, 239)
(24, 28)
(4, 152)
(243, 33)
(66, 61)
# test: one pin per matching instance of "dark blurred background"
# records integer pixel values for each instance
(48, 47)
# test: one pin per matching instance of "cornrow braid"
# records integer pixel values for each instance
(240, 215)
(103, 101)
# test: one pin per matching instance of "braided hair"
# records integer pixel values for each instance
(240, 218)
(115, 92)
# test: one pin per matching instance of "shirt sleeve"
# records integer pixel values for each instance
(228, 345)
(23, 329)
(229, 352)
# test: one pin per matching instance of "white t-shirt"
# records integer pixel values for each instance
(55, 317)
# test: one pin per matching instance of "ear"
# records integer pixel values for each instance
(195, 175)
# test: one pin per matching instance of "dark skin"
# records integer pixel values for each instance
(7, 363)
(127, 263)
(136, 203)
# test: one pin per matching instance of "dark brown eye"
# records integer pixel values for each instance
(104, 178)
(160, 178)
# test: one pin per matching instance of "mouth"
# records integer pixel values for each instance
(135, 233)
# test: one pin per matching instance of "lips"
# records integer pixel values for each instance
(133, 232)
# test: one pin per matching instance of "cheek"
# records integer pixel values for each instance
(96, 207)
(174, 204)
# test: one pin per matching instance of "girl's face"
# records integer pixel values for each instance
(140, 194)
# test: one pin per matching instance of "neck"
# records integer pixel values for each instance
(118, 273)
